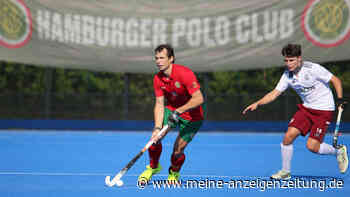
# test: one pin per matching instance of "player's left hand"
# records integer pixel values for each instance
(341, 102)
(251, 107)
(174, 118)
(155, 136)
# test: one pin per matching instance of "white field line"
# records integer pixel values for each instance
(105, 174)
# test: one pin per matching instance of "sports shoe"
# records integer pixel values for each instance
(148, 173)
(284, 175)
(173, 176)
(342, 158)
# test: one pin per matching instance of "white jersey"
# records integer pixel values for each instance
(311, 84)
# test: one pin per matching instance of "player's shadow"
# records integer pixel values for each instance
(309, 177)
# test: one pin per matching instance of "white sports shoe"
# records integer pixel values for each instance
(342, 158)
(284, 175)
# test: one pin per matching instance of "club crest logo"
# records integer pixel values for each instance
(326, 23)
(177, 84)
(15, 23)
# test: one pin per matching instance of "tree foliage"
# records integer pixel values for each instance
(69, 93)
(16, 77)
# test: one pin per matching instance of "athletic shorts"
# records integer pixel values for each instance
(310, 120)
(188, 129)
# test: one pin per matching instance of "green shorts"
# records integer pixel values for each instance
(188, 129)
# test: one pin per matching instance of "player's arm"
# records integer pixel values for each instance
(159, 112)
(191, 84)
(193, 87)
(337, 84)
(158, 118)
(269, 97)
(195, 101)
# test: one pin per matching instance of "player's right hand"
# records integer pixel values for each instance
(341, 102)
(251, 107)
(174, 118)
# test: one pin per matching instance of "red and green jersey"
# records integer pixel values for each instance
(177, 90)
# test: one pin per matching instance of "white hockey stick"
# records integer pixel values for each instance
(337, 125)
(117, 177)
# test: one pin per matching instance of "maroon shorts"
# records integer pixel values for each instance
(315, 121)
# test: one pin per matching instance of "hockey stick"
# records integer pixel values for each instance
(335, 135)
(117, 177)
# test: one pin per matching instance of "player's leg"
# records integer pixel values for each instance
(154, 167)
(299, 125)
(326, 149)
(316, 144)
(154, 153)
(318, 147)
(177, 159)
(287, 153)
(321, 121)
(187, 131)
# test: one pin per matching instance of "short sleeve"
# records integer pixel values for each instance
(283, 83)
(322, 73)
(190, 82)
(156, 86)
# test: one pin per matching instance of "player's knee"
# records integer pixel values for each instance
(177, 152)
(290, 136)
(313, 147)
(179, 148)
(287, 140)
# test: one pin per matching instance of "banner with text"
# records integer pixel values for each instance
(120, 36)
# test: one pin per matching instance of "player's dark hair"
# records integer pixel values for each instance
(291, 50)
(169, 48)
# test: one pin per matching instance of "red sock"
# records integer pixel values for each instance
(177, 161)
(154, 152)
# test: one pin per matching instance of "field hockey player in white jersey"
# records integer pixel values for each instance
(311, 82)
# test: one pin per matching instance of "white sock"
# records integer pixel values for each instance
(287, 154)
(326, 149)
